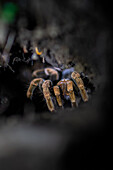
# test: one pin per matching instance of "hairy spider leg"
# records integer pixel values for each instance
(48, 71)
(71, 93)
(52, 72)
(67, 89)
(78, 81)
(47, 95)
(57, 94)
(34, 83)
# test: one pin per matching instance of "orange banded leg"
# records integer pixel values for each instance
(47, 95)
(67, 89)
(52, 72)
(57, 94)
(34, 83)
(71, 93)
(77, 79)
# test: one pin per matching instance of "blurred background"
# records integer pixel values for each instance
(80, 137)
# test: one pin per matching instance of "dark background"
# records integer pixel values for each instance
(79, 138)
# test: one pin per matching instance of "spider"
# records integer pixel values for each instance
(65, 88)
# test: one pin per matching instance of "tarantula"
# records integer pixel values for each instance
(64, 88)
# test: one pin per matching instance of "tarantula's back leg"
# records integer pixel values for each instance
(34, 83)
(47, 95)
(79, 82)
(54, 75)
(49, 73)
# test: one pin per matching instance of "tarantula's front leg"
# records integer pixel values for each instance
(45, 85)
(57, 94)
(47, 95)
(34, 83)
(78, 81)
(67, 89)
(71, 93)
